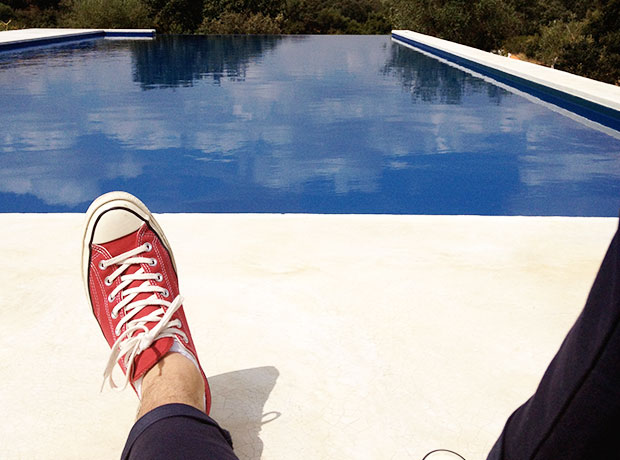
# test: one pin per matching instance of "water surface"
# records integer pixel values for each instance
(311, 124)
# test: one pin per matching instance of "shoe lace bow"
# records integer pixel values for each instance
(137, 336)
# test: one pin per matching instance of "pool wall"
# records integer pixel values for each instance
(26, 38)
(590, 98)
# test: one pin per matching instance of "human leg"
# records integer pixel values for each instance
(575, 411)
(131, 283)
(174, 379)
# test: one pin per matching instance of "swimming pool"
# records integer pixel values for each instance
(311, 124)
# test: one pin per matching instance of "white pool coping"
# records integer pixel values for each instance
(16, 39)
(342, 336)
(587, 89)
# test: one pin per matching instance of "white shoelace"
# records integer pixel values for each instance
(137, 337)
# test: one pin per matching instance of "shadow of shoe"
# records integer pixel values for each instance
(238, 401)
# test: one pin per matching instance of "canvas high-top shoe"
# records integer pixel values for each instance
(131, 283)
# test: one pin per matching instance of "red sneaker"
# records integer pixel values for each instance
(131, 283)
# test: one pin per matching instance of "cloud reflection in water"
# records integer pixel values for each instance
(287, 124)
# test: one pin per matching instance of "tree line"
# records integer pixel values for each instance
(578, 36)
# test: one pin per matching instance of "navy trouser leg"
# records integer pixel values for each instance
(177, 431)
(575, 411)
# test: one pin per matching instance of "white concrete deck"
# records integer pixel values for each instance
(585, 88)
(33, 37)
(349, 337)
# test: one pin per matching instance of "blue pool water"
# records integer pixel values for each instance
(311, 124)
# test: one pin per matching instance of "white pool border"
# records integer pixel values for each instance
(591, 91)
(12, 40)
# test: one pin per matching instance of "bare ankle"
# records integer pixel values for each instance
(174, 379)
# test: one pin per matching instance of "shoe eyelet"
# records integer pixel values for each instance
(101, 266)
(110, 298)
(153, 262)
(166, 293)
(159, 278)
(185, 339)
(148, 246)
(108, 281)
(114, 315)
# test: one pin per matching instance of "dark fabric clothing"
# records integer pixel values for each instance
(575, 411)
(177, 431)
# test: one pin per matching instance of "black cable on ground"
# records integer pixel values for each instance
(443, 450)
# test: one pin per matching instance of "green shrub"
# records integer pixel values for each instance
(35, 17)
(526, 44)
(106, 14)
(240, 23)
(492, 22)
(377, 23)
(16, 4)
(213, 9)
(555, 38)
(175, 16)
(484, 24)
(6, 13)
(581, 58)
(331, 21)
(335, 16)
